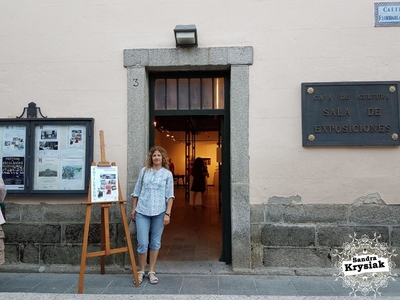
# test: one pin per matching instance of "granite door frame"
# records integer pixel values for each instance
(237, 60)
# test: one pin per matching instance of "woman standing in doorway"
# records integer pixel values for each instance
(199, 173)
(152, 203)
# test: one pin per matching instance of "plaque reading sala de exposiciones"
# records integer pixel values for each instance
(350, 113)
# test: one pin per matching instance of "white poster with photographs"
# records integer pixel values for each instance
(72, 174)
(47, 177)
(75, 137)
(104, 184)
(14, 141)
(48, 141)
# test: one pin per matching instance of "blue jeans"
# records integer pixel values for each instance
(145, 225)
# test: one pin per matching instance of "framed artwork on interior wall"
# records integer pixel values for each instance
(207, 161)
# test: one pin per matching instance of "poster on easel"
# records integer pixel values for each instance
(104, 184)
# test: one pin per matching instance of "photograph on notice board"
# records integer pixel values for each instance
(104, 184)
(48, 144)
(49, 134)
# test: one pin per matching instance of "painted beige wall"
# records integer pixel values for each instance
(66, 56)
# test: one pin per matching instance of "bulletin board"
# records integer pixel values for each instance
(46, 156)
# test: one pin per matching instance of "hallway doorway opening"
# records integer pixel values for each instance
(195, 232)
(189, 118)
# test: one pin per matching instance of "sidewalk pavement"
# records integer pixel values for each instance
(219, 283)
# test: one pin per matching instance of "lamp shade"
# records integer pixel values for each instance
(185, 35)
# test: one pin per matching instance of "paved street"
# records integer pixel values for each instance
(217, 284)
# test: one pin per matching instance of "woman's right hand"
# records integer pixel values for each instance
(133, 214)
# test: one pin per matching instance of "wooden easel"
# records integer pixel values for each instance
(105, 231)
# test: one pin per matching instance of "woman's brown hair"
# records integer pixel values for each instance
(149, 161)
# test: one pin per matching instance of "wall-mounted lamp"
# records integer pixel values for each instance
(185, 35)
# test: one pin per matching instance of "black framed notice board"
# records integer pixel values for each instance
(46, 157)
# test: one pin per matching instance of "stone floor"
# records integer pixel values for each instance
(193, 235)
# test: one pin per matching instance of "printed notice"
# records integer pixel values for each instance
(104, 184)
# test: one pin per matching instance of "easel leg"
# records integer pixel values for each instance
(102, 242)
(129, 244)
(84, 249)
(105, 236)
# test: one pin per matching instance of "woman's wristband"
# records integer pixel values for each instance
(169, 215)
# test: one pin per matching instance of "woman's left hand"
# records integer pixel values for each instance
(167, 220)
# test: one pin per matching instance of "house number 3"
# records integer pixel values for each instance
(135, 82)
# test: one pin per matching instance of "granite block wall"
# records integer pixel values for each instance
(48, 234)
(295, 235)
(282, 235)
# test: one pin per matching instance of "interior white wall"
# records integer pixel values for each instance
(206, 147)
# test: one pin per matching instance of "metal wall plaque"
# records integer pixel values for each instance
(350, 113)
(387, 14)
